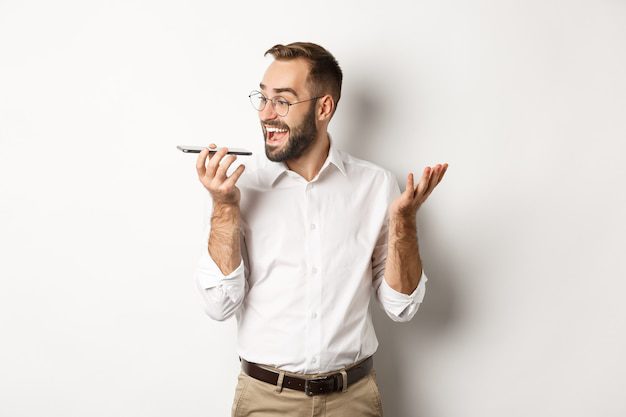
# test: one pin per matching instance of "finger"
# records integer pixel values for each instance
(215, 162)
(232, 180)
(221, 171)
(423, 184)
(443, 171)
(409, 190)
(432, 183)
(212, 146)
(201, 162)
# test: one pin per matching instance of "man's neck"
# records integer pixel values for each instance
(309, 164)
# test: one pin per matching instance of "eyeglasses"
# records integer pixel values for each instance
(281, 106)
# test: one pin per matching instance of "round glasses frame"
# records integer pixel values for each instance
(276, 101)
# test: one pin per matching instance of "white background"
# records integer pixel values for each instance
(101, 217)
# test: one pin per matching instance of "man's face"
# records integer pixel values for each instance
(287, 79)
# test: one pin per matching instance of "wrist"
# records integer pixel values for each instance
(403, 221)
(222, 206)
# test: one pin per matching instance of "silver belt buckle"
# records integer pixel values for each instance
(310, 383)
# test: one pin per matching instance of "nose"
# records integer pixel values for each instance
(268, 112)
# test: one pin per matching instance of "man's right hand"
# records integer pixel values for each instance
(213, 176)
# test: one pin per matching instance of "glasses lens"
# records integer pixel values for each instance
(281, 107)
(257, 100)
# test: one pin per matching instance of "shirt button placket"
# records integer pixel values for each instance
(315, 283)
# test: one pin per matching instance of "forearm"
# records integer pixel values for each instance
(403, 267)
(224, 241)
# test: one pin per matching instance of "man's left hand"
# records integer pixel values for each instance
(412, 198)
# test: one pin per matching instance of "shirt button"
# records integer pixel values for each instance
(314, 360)
(312, 226)
(314, 270)
(314, 315)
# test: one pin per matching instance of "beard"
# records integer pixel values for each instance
(300, 138)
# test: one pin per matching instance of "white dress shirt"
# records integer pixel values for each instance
(313, 253)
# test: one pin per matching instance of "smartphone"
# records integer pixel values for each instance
(198, 149)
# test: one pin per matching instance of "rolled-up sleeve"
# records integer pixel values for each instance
(222, 294)
(398, 306)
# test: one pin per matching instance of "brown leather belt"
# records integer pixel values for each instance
(315, 386)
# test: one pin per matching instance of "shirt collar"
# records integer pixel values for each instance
(275, 169)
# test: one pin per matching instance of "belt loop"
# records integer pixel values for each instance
(344, 375)
(279, 383)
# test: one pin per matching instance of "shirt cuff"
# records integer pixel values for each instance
(396, 302)
(209, 274)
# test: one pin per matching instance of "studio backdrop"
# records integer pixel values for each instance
(102, 218)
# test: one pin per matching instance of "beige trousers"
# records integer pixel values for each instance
(254, 398)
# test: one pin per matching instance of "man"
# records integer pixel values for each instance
(297, 247)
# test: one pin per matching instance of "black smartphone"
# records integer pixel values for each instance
(198, 149)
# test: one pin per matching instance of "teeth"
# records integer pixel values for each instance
(275, 129)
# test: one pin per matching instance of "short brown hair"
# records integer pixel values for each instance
(324, 73)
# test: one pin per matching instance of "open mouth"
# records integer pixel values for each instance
(276, 135)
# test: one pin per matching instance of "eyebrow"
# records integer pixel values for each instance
(281, 90)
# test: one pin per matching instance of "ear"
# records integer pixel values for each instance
(326, 108)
